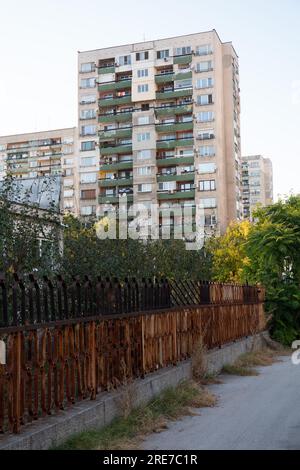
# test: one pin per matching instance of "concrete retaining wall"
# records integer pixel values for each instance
(87, 415)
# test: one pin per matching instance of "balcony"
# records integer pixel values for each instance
(171, 110)
(183, 75)
(125, 148)
(176, 160)
(170, 144)
(115, 166)
(164, 77)
(121, 84)
(176, 194)
(109, 182)
(115, 133)
(188, 176)
(116, 117)
(183, 59)
(176, 127)
(107, 69)
(167, 95)
(109, 102)
(114, 199)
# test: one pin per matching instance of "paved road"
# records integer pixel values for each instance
(253, 413)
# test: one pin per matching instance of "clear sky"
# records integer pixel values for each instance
(39, 40)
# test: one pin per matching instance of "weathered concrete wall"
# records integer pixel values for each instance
(87, 415)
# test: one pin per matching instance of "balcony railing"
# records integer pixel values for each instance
(176, 160)
(116, 149)
(116, 165)
(175, 127)
(183, 59)
(121, 84)
(108, 102)
(115, 133)
(166, 95)
(109, 68)
(176, 194)
(175, 109)
(122, 116)
(118, 181)
(173, 143)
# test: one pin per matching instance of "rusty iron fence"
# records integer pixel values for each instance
(68, 342)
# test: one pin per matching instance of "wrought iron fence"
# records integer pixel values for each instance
(31, 301)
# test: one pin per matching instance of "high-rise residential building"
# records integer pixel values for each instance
(257, 181)
(44, 154)
(159, 121)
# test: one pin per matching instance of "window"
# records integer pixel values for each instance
(205, 116)
(144, 171)
(33, 174)
(204, 83)
(210, 220)
(207, 151)
(87, 210)
(183, 50)
(86, 178)
(87, 114)
(88, 194)
(88, 83)
(206, 134)
(68, 204)
(142, 73)
(144, 154)
(204, 99)
(167, 186)
(68, 161)
(142, 55)
(204, 66)
(88, 99)
(69, 193)
(88, 130)
(32, 164)
(88, 161)
(144, 188)
(207, 168)
(143, 136)
(209, 185)
(143, 88)
(68, 182)
(88, 67)
(163, 54)
(143, 120)
(206, 49)
(69, 172)
(89, 145)
(125, 60)
(183, 84)
(208, 203)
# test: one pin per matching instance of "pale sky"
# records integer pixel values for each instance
(39, 40)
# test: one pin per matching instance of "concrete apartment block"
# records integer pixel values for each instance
(44, 154)
(257, 180)
(159, 121)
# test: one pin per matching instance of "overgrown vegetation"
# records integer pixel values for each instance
(127, 432)
(266, 252)
(244, 365)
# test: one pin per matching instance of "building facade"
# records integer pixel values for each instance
(41, 155)
(159, 122)
(257, 180)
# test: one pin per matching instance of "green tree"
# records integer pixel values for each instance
(229, 253)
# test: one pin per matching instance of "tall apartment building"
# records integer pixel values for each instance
(42, 154)
(257, 180)
(159, 121)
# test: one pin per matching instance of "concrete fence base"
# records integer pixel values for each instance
(87, 415)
